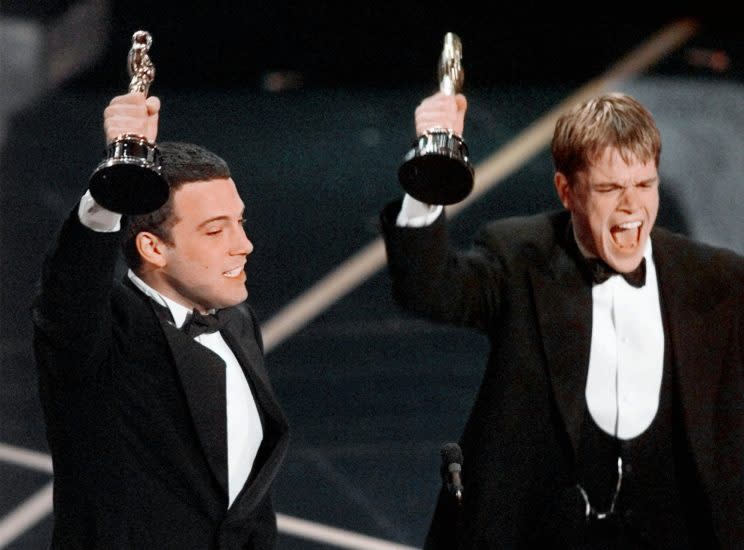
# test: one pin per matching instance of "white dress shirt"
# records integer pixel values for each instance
(627, 354)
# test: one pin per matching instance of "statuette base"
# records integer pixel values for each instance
(129, 181)
(437, 170)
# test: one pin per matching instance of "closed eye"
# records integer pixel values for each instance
(606, 188)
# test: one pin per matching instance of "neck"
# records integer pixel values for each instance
(178, 309)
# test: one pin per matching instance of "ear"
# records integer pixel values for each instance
(151, 249)
(563, 189)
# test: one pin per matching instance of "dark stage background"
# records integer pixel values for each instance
(312, 106)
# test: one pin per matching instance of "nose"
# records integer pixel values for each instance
(629, 199)
(243, 245)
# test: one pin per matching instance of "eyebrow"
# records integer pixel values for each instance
(219, 219)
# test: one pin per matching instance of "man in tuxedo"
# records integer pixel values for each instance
(163, 426)
(611, 410)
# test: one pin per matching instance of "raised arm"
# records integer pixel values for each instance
(72, 312)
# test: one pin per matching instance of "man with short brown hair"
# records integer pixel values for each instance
(162, 423)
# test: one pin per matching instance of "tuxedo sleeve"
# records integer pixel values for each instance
(429, 278)
(72, 310)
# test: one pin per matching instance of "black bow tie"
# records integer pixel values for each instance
(601, 272)
(197, 323)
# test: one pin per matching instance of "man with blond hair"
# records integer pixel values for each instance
(611, 410)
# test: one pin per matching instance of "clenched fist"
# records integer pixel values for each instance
(132, 113)
(441, 111)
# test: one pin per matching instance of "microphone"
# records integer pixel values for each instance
(451, 467)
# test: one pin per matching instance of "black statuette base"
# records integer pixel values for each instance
(437, 169)
(128, 181)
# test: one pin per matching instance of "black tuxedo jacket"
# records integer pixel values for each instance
(522, 285)
(135, 413)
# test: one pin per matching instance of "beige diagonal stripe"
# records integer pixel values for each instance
(371, 258)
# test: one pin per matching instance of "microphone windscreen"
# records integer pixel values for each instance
(451, 453)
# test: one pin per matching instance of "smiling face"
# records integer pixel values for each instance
(202, 263)
(613, 204)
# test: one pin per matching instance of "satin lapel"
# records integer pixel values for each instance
(563, 303)
(202, 375)
(694, 335)
(240, 337)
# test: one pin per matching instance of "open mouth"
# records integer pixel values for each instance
(627, 235)
(233, 272)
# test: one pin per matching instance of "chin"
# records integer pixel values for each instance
(626, 263)
(235, 300)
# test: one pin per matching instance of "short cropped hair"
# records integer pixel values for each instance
(616, 120)
(181, 163)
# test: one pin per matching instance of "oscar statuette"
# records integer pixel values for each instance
(128, 180)
(437, 170)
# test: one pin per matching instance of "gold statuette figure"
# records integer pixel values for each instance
(437, 170)
(128, 181)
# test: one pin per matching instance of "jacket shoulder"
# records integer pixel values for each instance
(705, 261)
(532, 236)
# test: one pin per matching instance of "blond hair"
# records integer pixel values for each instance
(613, 120)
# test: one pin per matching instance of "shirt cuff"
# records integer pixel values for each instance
(94, 216)
(414, 213)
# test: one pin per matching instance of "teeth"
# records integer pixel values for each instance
(233, 272)
(630, 225)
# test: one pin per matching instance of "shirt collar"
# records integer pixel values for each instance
(178, 311)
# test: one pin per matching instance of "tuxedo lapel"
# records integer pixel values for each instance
(240, 336)
(695, 339)
(703, 317)
(202, 375)
(563, 304)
